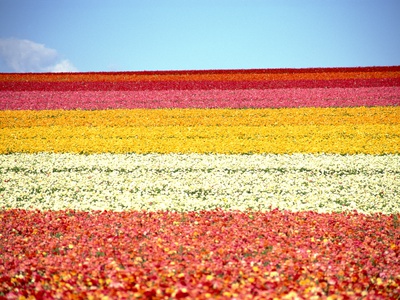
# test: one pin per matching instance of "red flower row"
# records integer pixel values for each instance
(192, 85)
(70, 254)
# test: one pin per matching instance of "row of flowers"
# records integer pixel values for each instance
(369, 139)
(321, 183)
(235, 75)
(307, 130)
(198, 255)
(202, 117)
(193, 84)
(243, 98)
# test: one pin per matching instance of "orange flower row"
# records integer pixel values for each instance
(179, 76)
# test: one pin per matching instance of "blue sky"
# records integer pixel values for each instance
(131, 35)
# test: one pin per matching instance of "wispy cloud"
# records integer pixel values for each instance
(26, 56)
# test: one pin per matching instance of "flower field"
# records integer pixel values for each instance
(218, 184)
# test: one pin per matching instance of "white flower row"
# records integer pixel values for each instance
(185, 182)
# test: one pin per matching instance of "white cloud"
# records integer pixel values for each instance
(63, 66)
(27, 56)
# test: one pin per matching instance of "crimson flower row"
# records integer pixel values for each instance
(194, 85)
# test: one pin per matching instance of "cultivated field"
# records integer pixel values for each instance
(245, 184)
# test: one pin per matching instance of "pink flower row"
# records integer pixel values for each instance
(248, 98)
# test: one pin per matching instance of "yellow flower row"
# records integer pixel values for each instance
(311, 130)
(369, 139)
(201, 117)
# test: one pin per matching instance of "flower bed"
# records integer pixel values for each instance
(194, 182)
(216, 254)
(246, 184)
(242, 98)
(307, 130)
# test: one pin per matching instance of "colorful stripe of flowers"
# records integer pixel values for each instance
(309, 130)
(199, 255)
(246, 184)
(219, 75)
(195, 182)
(212, 98)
